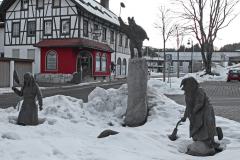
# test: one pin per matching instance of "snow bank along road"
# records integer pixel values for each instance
(80, 92)
(224, 96)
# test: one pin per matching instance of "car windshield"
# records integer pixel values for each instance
(234, 71)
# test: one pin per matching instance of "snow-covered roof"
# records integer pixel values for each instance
(97, 9)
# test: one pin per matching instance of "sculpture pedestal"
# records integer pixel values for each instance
(136, 114)
(199, 148)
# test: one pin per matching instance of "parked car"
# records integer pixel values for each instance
(233, 74)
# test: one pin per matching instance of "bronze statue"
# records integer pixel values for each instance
(135, 33)
(201, 115)
(28, 114)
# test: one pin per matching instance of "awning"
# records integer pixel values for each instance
(75, 43)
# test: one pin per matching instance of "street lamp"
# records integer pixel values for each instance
(190, 41)
(122, 5)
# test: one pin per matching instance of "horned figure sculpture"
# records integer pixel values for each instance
(135, 33)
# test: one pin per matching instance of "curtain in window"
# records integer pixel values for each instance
(51, 60)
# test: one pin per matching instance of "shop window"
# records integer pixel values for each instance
(118, 67)
(101, 62)
(104, 62)
(98, 62)
(51, 60)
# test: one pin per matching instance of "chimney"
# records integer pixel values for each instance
(105, 3)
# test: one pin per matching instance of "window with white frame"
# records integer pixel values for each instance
(104, 33)
(85, 28)
(31, 54)
(16, 29)
(15, 53)
(120, 40)
(126, 42)
(48, 27)
(24, 4)
(31, 28)
(98, 62)
(51, 60)
(65, 26)
(40, 4)
(111, 36)
(56, 3)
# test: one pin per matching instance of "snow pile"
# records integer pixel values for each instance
(165, 87)
(70, 129)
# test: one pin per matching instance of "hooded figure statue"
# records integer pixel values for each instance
(28, 114)
(201, 115)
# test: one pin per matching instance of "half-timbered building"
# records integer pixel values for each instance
(65, 36)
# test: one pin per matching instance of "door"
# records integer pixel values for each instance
(4, 74)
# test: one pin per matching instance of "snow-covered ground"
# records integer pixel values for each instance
(70, 128)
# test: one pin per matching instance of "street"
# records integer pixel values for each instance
(80, 92)
(224, 96)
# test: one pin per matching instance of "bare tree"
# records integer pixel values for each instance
(205, 18)
(167, 29)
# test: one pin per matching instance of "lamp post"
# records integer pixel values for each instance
(191, 53)
(122, 5)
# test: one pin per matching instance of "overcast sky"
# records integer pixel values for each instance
(145, 14)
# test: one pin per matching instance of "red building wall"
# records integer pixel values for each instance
(66, 60)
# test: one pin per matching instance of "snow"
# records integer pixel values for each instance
(95, 8)
(69, 129)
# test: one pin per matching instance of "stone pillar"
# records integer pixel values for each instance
(11, 72)
(136, 114)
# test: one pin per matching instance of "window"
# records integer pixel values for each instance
(120, 40)
(31, 28)
(104, 35)
(65, 26)
(104, 62)
(85, 28)
(48, 27)
(112, 36)
(16, 29)
(24, 4)
(31, 54)
(126, 42)
(51, 60)
(181, 63)
(40, 4)
(118, 67)
(15, 53)
(56, 3)
(95, 30)
(101, 62)
(124, 67)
